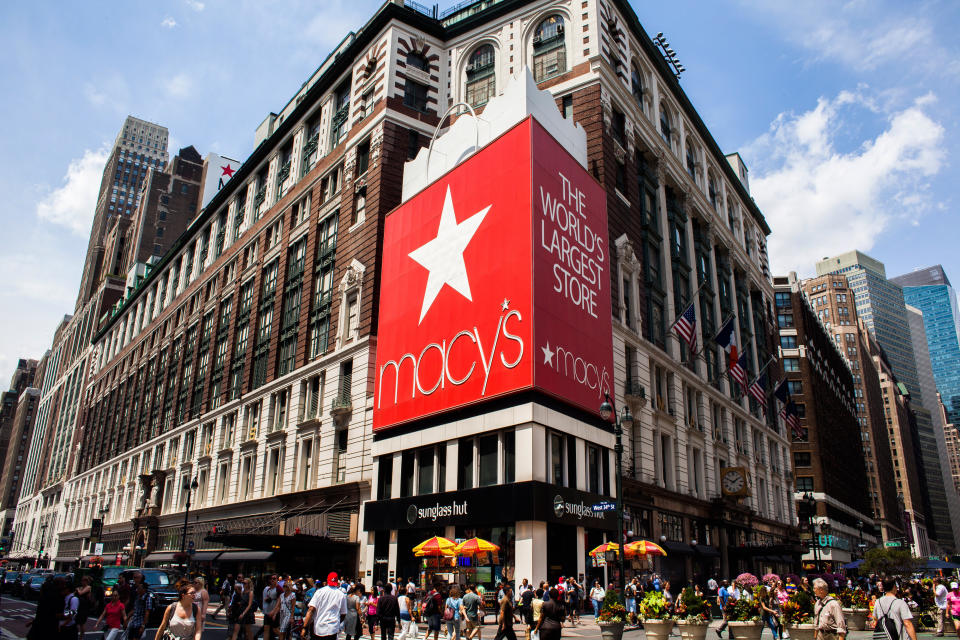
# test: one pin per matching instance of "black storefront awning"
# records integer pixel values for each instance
(706, 550)
(205, 556)
(237, 556)
(65, 559)
(677, 548)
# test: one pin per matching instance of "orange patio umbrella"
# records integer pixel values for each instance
(644, 548)
(473, 546)
(606, 546)
(436, 546)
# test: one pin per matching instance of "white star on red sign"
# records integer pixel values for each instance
(443, 256)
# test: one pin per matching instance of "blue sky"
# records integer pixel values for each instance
(845, 113)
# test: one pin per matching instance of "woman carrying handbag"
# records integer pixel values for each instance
(182, 620)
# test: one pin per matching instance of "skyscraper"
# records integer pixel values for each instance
(881, 306)
(139, 147)
(944, 502)
(930, 291)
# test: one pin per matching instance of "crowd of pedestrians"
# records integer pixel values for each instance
(336, 607)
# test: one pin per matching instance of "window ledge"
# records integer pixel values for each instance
(621, 196)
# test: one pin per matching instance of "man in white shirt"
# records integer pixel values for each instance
(940, 599)
(327, 610)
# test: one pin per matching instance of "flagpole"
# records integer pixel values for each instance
(689, 301)
(762, 369)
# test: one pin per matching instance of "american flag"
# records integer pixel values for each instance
(792, 419)
(758, 390)
(686, 327)
(739, 371)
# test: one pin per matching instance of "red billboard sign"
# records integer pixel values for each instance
(496, 279)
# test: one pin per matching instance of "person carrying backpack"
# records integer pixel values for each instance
(827, 614)
(431, 610)
(892, 615)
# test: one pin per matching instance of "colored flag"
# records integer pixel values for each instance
(793, 420)
(738, 370)
(758, 390)
(782, 392)
(686, 327)
(727, 338)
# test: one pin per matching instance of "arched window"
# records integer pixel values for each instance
(481, 76)
(665, 125)
(691, 161)
(636, 85)
(549, 49)
(713, 193)
(417, 61)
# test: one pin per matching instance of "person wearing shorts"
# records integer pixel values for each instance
(470, 606)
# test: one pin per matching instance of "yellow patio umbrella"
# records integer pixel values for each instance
(473, 546)
(643, 548)
(436, 547)
(604, 548)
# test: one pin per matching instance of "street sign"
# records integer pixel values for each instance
(98, 549)
(604, 506)
(891, 544)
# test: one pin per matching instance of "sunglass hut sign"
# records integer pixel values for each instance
(496, 279)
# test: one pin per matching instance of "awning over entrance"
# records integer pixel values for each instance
(66, 559)
(298, 544)
(236, 556)
(706, 550)
(677, 548)
(205, 556)
(161, 556)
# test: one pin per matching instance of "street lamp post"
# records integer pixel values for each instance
(814, 539)
(186, 514)
(622, 420)
(860, 545)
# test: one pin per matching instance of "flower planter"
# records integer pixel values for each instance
(746, 630)
(692, 630)
(856, 619)
(611, 630)
(801, 631)
(657, 629)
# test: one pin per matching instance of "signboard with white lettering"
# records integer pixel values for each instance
(495, 280)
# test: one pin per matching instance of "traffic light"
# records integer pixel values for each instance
(3, 546)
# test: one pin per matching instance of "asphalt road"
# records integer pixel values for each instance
(15, 613)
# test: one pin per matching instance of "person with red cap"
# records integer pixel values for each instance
(326, 611)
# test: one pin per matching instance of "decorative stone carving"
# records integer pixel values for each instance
(607, 110)
(659, 164)
(619, 152)
(626, 255)
(419, 44)
(628, 129)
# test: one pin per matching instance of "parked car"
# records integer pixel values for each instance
(11, 578)
(17, 589)
(31, 588)
(162, 583)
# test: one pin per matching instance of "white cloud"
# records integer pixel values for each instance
(168, 22)
(196, 5)
(865, 36)
(178, 86)
(72, 204)
(819, 201)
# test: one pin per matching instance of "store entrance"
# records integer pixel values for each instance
(561, 553)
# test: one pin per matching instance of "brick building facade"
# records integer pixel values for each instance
(244, 358)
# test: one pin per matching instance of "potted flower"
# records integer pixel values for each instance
(654, 611)
(613, 616)
(746, 581)
(855, 608)
(692, 614)
(798, 615)
(743, 616)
